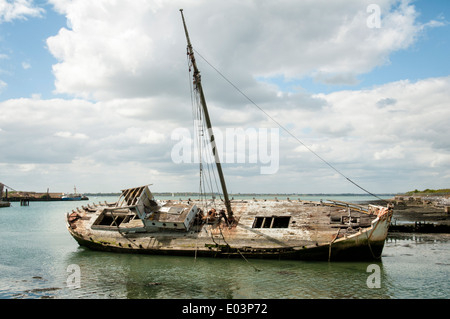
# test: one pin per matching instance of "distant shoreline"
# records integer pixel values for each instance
(246, 194)
(43, 197)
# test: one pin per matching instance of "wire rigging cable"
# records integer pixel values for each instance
(208, 178)
(285, 129)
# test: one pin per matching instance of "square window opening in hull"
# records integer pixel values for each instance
(109, 219)
(271, 222)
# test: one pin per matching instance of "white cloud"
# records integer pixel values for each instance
(371, 144)
(27, 167)
(2, 85)
(409, 128)
(395, 152)
(111, 42)
(71, 135)
(125, 63)
(117, 49)
(18, 9)
(442, 161)
(26, 65)
(151, 137)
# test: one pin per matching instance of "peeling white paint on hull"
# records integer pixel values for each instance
(260, 229)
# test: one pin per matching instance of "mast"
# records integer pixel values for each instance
(198, 85)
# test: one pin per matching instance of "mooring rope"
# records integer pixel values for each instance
(368, 242)
(331, 242)
(286, 130)
(242, 255)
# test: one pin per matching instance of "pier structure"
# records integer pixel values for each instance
(3, 203)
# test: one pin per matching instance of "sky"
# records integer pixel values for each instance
(94, 94)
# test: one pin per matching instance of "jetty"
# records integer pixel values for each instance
(24, 197)
(420, 212)
(21, 196)
(3, 203)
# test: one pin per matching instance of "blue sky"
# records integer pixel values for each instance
(425, 58)
(28, 68)
(77, 104)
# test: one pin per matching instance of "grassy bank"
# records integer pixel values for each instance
(442, 191)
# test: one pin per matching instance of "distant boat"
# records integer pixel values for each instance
(74, 196)
(71, 197)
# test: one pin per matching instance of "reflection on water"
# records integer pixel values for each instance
(106, 275)
(37, 253)
(418, 265)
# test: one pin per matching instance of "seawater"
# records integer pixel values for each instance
(38, 255)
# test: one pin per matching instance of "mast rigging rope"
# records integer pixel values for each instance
(206, 180)
(285, 129)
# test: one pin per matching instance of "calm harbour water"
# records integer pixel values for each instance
(38, 257)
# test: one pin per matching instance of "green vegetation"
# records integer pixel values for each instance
(443, 191)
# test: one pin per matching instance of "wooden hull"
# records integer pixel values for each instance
(346, 251)
(309, 236)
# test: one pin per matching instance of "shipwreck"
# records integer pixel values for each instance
(282, 229)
